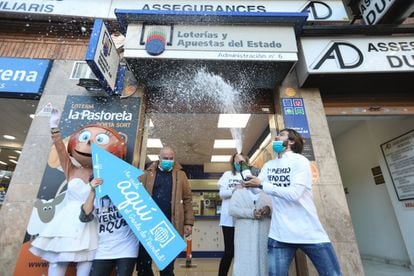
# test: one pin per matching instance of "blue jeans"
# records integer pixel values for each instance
(322, 255)
(123, 267)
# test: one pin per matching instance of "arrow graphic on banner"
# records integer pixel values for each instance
(154, 231)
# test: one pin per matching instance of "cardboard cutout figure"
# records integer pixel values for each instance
(66, 239)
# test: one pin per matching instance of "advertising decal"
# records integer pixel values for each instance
(119, 114)
(294, 116)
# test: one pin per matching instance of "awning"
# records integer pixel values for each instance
(256, 48)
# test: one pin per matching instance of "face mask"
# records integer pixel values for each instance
(278, 146)
(167, 165)
(237, 167)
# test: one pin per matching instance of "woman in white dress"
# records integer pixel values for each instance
(251, 214)
(66, 239)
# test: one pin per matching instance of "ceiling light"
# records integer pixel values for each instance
(3, 163)
(233, 120)
(12, 157)
(18, 151)
(9, 137)
(220, 158)
(13, 161)
(154, 143)
(225, 143)
(8, 177)
(32, 116)
(153, 157)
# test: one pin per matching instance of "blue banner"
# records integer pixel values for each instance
(147, 221)
(20, 76)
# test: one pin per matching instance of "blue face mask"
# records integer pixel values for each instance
(237, 167)
(167, 165)
(278, 146)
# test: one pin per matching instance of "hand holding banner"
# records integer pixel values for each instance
(146, 220)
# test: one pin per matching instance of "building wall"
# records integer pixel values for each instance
(24, 186)
(382, 225)
(328, 191)
(329, 196)
(32, 46)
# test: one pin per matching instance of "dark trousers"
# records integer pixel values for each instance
(225, 262)
(144, 264)
(123, 267)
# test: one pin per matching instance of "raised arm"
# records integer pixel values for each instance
(62, 153)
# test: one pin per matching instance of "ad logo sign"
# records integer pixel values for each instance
(358, 54)
(318, 10)
(346, 56)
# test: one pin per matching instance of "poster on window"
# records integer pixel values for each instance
(120, 115)
(399, 158)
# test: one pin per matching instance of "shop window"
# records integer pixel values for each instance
(206, 203)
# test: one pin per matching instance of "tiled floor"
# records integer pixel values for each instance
(209, 267)
(373, 268)
(199, 267)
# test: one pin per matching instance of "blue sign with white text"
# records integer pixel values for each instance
(154, 231)
(20, 76)
(294, 116)
(102, 57)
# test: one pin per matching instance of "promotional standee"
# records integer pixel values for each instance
(146, 220)
(122, 116)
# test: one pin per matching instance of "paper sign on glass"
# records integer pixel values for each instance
(154, 231)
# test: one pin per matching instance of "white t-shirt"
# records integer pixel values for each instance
(116, 239)
(294, 217)
(227, 183)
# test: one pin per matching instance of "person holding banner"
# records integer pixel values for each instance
(169, 187)
(118, 245)
(295, 223)
(66, 239)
